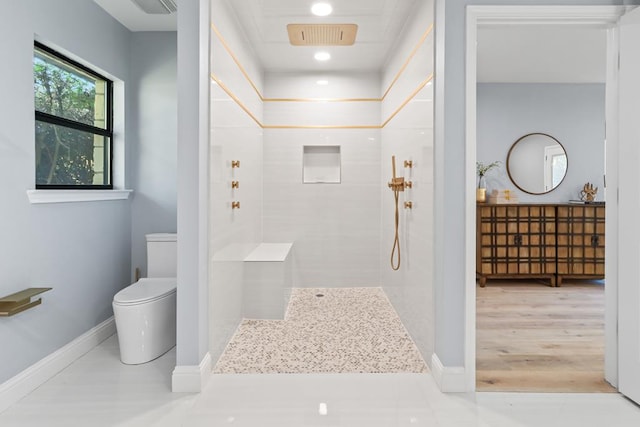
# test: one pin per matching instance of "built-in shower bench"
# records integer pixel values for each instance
(267, 281)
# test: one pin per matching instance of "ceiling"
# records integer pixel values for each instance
(528, 53)
(379, 23)
(132, 17)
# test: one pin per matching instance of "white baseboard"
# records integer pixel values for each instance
(192, 378)
(449, 379)
(37, 374)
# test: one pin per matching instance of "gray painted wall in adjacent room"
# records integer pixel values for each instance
(153, 136)
(574, 114)
(81, 250)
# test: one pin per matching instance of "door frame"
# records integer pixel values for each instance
(601, 16)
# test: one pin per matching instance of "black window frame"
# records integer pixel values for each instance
(71, 124)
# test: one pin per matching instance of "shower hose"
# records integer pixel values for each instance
(396, 239)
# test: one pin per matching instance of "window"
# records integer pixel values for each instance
(74, 123)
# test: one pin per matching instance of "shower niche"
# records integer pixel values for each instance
(321, 164)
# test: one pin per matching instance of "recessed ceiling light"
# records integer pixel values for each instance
(322, 409)
(322, 56)
(322, 82)
(321, 9)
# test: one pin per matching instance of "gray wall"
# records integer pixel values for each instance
(450, 173)
(154, 114)
(82, 250)
(572, 113)
(193, 184)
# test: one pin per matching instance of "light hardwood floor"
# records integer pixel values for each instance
(535, 338)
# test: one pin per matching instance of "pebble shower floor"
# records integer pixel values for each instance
(346, 330)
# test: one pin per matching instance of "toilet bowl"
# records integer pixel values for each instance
(145, 312)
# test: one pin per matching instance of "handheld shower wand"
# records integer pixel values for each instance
(397, 185)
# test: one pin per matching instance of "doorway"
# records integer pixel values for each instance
(577, 17)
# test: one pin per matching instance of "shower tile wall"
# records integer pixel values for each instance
(335, 227)
(409, 136)
(234, 136)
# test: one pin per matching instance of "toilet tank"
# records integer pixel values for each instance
(162, 255)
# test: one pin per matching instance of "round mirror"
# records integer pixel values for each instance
(537, 163)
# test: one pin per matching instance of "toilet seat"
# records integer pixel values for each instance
(146, 290)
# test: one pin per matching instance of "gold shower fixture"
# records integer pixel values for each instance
(397, 185)
(235, 163)
(322, 34)
(235, 184)
(235, 205)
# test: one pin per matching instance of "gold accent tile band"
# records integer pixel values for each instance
(264, 126)
(262, 98)
(235, 59)
(406, 63)
(321, 99)
(236, 99)
(409, 98)
(322, 127)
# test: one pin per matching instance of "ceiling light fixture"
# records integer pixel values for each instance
(321, 9)
(322, 409)
(322, 56)
(322, 82)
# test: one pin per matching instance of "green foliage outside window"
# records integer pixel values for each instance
(72, 139)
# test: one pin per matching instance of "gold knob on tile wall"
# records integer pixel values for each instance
(408, 163)
(408, 205)
(235, 163)
(235, 205)
(235, 184)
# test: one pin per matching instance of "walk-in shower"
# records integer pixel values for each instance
(314, 139)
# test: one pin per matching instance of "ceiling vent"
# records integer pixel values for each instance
(157, 7)
(322, 34)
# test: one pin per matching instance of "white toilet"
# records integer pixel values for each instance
(145, 312)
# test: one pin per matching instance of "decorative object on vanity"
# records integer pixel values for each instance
(502, 197)
(588, 193)
(537, 163)
(482, 170)
(540, 241)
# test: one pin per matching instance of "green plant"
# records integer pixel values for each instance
(483, 169)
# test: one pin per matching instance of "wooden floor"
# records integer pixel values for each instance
(535, 338)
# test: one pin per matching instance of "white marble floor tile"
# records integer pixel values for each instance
(98, 390)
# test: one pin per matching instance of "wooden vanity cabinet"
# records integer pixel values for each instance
(581, 239)
(515, 241)
(539, 241)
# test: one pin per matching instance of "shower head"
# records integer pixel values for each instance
(322, 34)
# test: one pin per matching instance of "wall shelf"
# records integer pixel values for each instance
(321, 164)
(20, 301)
